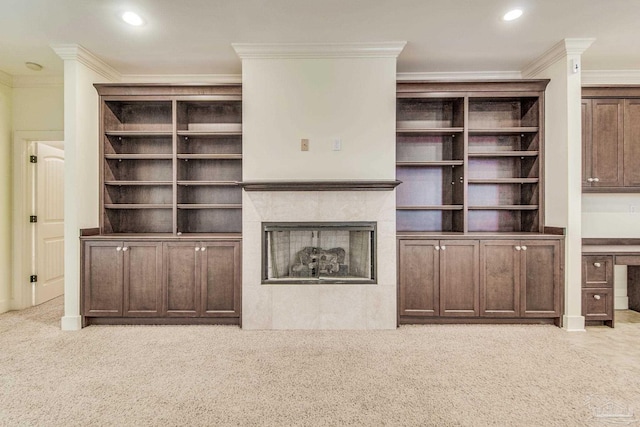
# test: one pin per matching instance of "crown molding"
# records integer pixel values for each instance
(560, 50)
(6, 79)
(318, 50)
(610, 77)
(82, 55)
(38, 81)
(216, 79)
(460, 75)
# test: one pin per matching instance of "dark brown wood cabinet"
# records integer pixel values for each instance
(611, 139)
(597, 289)
(168, 243)
(438, 278)
(468, 279)
(160, 279)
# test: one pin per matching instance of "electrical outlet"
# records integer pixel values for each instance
(337, 144)
(304, 145)
(633, 209)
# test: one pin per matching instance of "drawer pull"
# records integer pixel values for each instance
(596, 297)
(597, 265)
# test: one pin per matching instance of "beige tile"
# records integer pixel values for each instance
(343, 307)
(381, 308)
(256, 308)
(295, 306)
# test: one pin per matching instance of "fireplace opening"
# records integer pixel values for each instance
(319, 252)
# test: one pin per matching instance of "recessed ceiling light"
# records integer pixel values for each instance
(512, 14)
(132, 18)
(33, 66)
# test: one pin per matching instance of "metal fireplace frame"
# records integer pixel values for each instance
(370, 226)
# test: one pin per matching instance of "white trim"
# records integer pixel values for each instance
(6, 79)
(610, 77)
(71, 323)
(573, 323)
(183, 78)
(21, 288)
(318, 50)
(460, 75)
(621, 302)
(5, 305)
(38, 81)
(560, 50)
(82, 55)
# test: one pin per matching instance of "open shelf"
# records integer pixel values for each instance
(509, 114)
(141, 116)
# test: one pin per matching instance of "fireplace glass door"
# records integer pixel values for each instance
(327, 252)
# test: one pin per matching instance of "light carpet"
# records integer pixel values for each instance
(449, 375)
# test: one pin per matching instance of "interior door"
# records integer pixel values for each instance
(49, 229)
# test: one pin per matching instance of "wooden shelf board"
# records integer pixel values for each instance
(504, 154)
(210, 156)
(504, 181)
(158, 183)
(438, 163)
(430, 208)
(139, 156)
(199, 133)
(506, 130)
(137, 206)
(504, 208)
(212, 183)
(336, 185)
(138, 133)
(209, 206)
(416, 127)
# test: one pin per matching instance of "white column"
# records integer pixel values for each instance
(81, 187)
(563, 160)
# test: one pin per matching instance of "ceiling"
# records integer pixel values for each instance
(195, 36)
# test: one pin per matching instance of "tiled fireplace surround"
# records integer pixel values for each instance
(311, 306)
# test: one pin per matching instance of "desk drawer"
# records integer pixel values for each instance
(597, 271)
(597, 304)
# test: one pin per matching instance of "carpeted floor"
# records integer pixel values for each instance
(222, 376)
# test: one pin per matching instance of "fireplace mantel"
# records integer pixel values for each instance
(330, 185)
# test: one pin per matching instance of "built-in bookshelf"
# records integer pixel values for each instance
(469, 156)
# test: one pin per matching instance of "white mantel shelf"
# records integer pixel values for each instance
(335, 185)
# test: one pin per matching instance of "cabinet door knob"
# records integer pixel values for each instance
(203, 248)
(589, 179)
(596, 297)
(518, 248)
(437, 248)
(524, 248)
(597, 265)
(596, 179)
(443, 247)
(197, 249)
(119, 248)
(125, 248)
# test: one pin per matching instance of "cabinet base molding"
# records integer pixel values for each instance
(161, 321)
(71, 323)
(557, 321)
(574, 323)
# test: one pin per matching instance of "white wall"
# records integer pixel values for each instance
(5, 196)
(38, 108)
(318, 99)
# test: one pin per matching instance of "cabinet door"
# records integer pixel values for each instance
(540, 278)
(419, 278)
(220, 278)
(597, 271)
(587, 136)
(632, 143)
(181, 277)
(500, 278)
(142, 279)
(103, 279)
(459, 278)
(607, 143)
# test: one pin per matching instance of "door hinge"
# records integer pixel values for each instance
(33, 278)
(33, 218)
(33, 159)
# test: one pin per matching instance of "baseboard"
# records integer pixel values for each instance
(5, 305)
(71, 323)
(573, 323)
(621, 303)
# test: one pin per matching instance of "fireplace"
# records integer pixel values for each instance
(319, 253)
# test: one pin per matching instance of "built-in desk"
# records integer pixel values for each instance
(598, 259)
